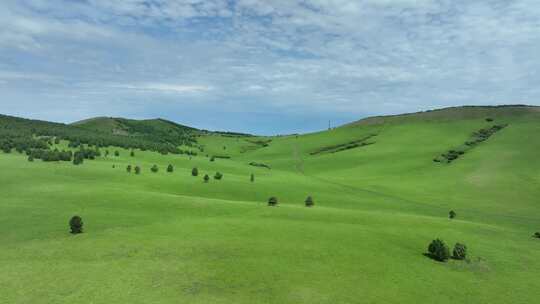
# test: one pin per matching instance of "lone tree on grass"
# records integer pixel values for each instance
(252, 177)
(137, 170)
(128, 168)
(154, 168)
(195, 172)
(459, 252)
(218, 176)
(273, 201)
(452, 214)
(438, 250)
(76, 224)
(309, 201)
(206, 178)
(170, 168)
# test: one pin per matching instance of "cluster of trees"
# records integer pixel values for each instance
(9, 142)
(476, 138)
(438, 251)
(129, 168)
(49, 155)
(273, 201)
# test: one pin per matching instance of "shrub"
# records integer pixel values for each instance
(170, 168)
(128, 169)
(30, 158)
(212, 158)
(489, 119)
(438, 250)
(252, 177)
(132, 153)
(154, 169)
(206, 178)
(452, 214)
(537, 235)
(137, 170)
(309, 202)
(195, 172)
(218, 176)
(78, 158)
(273, 201)
(116, 153)
(76, 224)
(459, 252)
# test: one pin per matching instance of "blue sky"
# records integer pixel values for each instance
(267, 67)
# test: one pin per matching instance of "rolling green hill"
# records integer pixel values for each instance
(380, 198)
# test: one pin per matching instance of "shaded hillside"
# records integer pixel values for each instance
(23, 133)
(159, 130)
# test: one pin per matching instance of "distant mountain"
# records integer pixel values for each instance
(157, 135)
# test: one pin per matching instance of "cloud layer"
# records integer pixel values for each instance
(264, 66)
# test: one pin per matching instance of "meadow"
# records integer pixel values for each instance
(169, 237)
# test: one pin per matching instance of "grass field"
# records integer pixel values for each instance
(171, 238)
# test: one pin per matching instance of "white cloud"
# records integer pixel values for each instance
(165, 87)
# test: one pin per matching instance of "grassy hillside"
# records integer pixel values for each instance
(169, 237)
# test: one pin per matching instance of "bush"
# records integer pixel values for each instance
(128, 169)
(309, 202)
(537, 235)
(30, 158)
(76, 224)
(252, 177)
(195, 172)
(137, 170)
(459, 252)
(116, 153)
(218, 176)
(154, 169)
(489, 119)
(170, 168)
(78, 158)
(273, 201)
(452, 214)
(206, 178)
(438, 250)
(132, 153)
(212, 158)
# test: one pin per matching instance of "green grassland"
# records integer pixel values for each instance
(171, 238)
